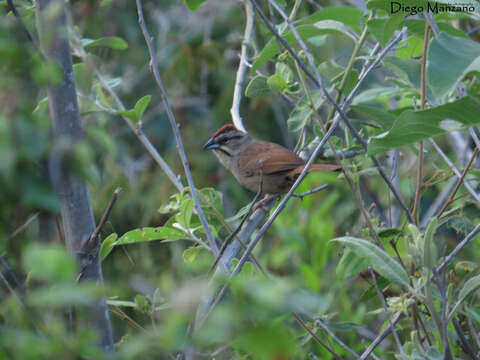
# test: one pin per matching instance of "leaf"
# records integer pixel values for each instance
(49, 263)
(469, 287)
(430, 254)
(388, 233)
(191, 253)
(112, 42)
(410, 48)
(142, 303)
(83, 78)
(136, 114)
(351, 264)
(412, 126)
(184, 217)
(382, 118)
(348, 15)
(461, 55)
(150, 234)
(107, 245)
(416, 27)
(257, 87)
(193, 5)
(284, 71)
(461, 224)
(299, 117)
(305, 31)
(276, 82)
(383, 263)
(383, 29)
(374, 93)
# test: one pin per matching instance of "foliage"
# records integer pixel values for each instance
(316, 256)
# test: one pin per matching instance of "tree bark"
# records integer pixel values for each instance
(77, 215)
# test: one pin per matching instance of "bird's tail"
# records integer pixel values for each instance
(324, 167)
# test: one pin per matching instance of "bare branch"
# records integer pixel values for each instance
(310, 192)
(242, 68)
(334, 337)
(175, 128)
(387, 313)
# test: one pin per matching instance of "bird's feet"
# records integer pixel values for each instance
(263, 204)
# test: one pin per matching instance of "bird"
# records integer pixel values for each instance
(256, 164)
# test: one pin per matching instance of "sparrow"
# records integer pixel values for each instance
(252, 161)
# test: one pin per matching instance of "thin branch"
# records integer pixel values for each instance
(387, 313)
(22, 227)
(455, 170)
(242, 68)
(465, 344)
(423, 74)
(310, 192)
(334, 337)
(175, 128)
(442, 289)
(315, 337)
(459, 182)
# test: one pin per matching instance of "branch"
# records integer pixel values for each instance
(459, 182)
(175, 128)
(242, 68)
(387, 313)
(77, 215)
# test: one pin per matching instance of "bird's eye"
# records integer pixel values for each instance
(223, 141)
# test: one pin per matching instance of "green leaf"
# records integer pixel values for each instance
(61, 295)
(107, 245)
(83, 78)
(386, 234)
(347, 15)
(470, 286)
(184, 217)
(383, 263)
(299, 117)
(136, 114)
(410, 48)
(375, 93)
(416, 27)
(351, 264)
(193, 5)
(110, 41)
(430, 254)
(276, 82)
(191, 253)
(150, 234)
(405, 69)
(257, 87)
(462, 57)
(305, 31)
(412, 126)
(142, 303)
(49, 263)
(382, 118)
(383, 29)
(284, 71)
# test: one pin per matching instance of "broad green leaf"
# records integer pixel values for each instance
(351, 264)
(383, 29)
(406, 69)
(416, 27)
(299, 117)
(83, 78)
(470, 287)
(461, 224)
(383, 263)
(49, 263)
(61, 295)
(430, 253)
(257, 87)
(410, 48)
(136, 113)
(191, 253)
(184, 217)
(462, 57)
(374, 93)
(193, 5)
(110, 41)
(305, 31)
(386, 234)
(142, 303)
(348, 15)
(276, 83)
(412, 126)
(149, 234)
(107, 245)
(284, 71)
(382, 118)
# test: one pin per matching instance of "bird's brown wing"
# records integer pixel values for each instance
(276, 158)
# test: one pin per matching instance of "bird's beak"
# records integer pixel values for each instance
(211, 144)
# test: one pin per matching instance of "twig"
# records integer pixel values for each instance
(310, 192)
(242, 68)
(175, 128)
(423, 81)
(92, 240)
(465, 344)
(439, 280)
(239, 227)
(91, 243)
(59, 230)
(387, 313)
(315, 337)
(22, 227)
(334, 337)
(459, 182)
(455, 170)
(318, 82)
